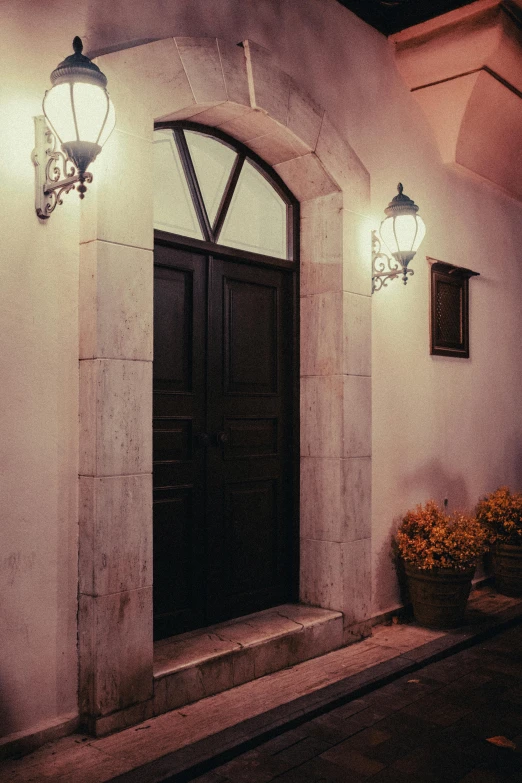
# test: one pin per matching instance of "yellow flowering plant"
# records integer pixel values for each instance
(430, 539)
(501, 513)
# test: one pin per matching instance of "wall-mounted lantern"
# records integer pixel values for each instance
(80, 116)
(402, 231)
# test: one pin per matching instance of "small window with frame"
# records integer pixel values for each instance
(449, 309)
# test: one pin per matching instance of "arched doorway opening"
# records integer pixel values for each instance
(242, 92)
(225, 382)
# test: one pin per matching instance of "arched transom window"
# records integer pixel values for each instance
(211, 188)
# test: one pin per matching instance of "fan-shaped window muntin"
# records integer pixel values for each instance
(211, 188)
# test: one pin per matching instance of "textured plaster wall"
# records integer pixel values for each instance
(447, 427)
(440, 426)
(38, 412)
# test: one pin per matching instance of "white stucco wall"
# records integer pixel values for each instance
(441, 427)
(38, 412)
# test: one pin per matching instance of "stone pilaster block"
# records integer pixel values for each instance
(357, 253)
(357, 416)
(115, 650)
(322, 334)
(357, 333)
(335, 498)
(116, 287)
(115, 417)
(337, 576)
(322, 580)
(119, 204)
(115, 534)
(322, 416)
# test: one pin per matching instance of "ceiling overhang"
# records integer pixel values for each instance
(465, 70)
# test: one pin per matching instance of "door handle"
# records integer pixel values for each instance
(221, 438)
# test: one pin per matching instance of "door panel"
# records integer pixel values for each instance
(249, 485)
(223, 375)
(173, 305)
(250, 334)
(252, 543)
(179, 456)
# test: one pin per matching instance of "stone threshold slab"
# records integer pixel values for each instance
(185, 743)
(199, 664)
(261, 629)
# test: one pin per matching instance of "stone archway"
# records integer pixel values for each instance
(237, 89)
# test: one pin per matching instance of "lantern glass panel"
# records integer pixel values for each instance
(57, 106)
(402, 233)
(91, 106)
(80, 111)
(421, 231)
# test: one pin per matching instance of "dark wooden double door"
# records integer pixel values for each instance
(224, 355)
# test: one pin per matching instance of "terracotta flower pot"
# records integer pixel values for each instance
(507, 568)
(439, 596)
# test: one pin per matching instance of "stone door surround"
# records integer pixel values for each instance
(240, 90)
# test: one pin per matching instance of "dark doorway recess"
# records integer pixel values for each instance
(225, 408)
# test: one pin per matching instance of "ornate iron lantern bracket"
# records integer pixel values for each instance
(56, 173)
(384, 267)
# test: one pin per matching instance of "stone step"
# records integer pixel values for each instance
(202, 663)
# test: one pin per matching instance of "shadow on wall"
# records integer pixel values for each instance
(432, 481)
(7, 719)
(390, 578)
(428, 482)
(516, 449)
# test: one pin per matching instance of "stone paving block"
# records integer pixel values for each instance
(212, 777)
(302, 751)
(481, 776)
(440, 711)
(353, 760)
(250, 768)
(285, 740)
(439, 762)
(351, 708)
(296, 775)
(390, 775)
(320, 769)
(331, 729)
(368, 738)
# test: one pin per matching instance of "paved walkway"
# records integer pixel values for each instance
(407, 704)
(432, 725)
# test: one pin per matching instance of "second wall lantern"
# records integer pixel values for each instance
(80, 116)
(402, 231)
